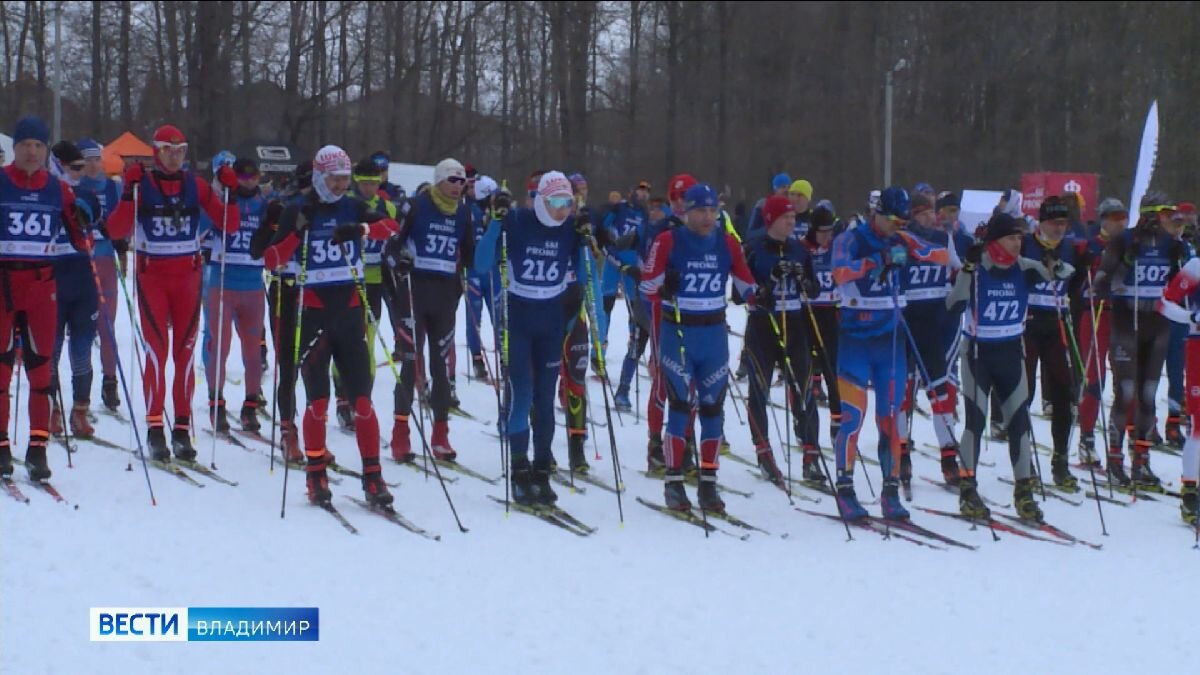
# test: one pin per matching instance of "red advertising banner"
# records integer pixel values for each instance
(1037, 186)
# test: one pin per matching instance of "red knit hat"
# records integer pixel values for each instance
(169, 134)
(776, 206)
(678, 185)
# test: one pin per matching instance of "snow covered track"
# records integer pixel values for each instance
(520, 596)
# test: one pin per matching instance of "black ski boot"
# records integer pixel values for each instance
(317, 481)
(906, 471)
(217, 416)
(480, 369)
(1174, 432)
(655, 461)
(108, 394)
(766, 464)
(522, 490)
(454, 402)
(181, 442)
(539, 484)
(1116, 470)
(156, 438)
(950, 469)
(970, 504)
(1027, 506)
(999, 432)
(35, 461)
(345, 415)
(575, 453)
(1087, 452)
(1144, 478)
(249, 416)
(707, 495)
(6, 460)
(1060, 472)
(674, 495)
(1189, 504)
(689, 457)
(812, 468)
(375, 489)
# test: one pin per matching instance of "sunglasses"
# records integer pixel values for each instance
(76, 166)
(456, 180)
(897, 220)
(559, 202)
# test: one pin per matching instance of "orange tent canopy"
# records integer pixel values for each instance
(124, 146)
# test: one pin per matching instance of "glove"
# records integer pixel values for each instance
(670, 285)
(583, 225)
(809, 287)
(897, 256)
(764, 298)
(975, 254)
(303, 219)
(397, 255)
(349, 232)
(501, 203)
(632, 271)
(783, 269)
(227, 178)
(132, 176)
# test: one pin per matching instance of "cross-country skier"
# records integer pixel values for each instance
(868, 262)
(165, 204)
(688, 270)
(823, 338)
(104, 255)
(1133, 272)
(35, 207)
(481, 289)
(624, 219)
(240, 307)
(438, 235)
(1180, 303)
(783, 271)
(992, 292)
(537, 245)
(323, 233)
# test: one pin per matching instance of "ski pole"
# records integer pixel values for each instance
(787, 395)
(504, 401)
(300, 281)
(683, 369)
(278, 280)
(589, 300)
(348, 249)
(108, 326)
(419, 374)
(219, 352)
(761, 383)
(1100, 380)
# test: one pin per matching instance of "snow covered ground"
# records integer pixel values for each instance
(517, 595)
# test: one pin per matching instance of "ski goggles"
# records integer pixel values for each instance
(559, 202)
(172, 148)
(358, 178)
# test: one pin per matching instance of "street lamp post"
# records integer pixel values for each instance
(58, 72)
(887, 125)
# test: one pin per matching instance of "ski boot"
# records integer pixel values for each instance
(1155, 439)
(741, 373)
(156, 438)
(950, 468)
(576, 454)
(847, 500)
(674, 495)
(81, 426)
(216, 415)
(108, 394)
(707, 495)
(999, 432)
(181, 441)
(290, 442)
(401, 445)
(56, 420)
(1174, 432)
(621, 399)
(317, 481)
(906, 470)
(440, 443)
(249, 416)
(1189, 508)
(889, 501)
(818, 394)
(479, 369)
(539, 484)
(655, 461)
(689, 457)
(375, 489)
(1144, 478)
(1047, 408)
(1116, 470)
(345, 416)
(522, 490)
(6, 461)
(970, 504)
(1027, 506)
(1060, 472)
(35, 460)
(1087, 452)
(768, 467)
(811, 469)
(454, 402)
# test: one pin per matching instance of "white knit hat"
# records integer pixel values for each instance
(447, 168)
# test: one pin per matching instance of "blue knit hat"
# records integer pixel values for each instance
(90, 148)
(700, 196)
(780, 181)
(31, 128)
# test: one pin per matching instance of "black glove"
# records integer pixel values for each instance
(809, 287)
(764, 298)
(670, 285)
(975, 253)
(348, 232)
(501, 203)
(1050, 260)
(583, 225)
(632, 271)
(397, 255)
(303, 219)
(783, 268)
